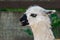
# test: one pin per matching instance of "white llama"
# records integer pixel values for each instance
(38, 19)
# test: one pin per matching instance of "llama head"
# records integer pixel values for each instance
(35, 14)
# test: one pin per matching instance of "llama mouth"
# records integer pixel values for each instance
(24, 23)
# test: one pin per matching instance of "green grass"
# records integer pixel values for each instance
(12, 9)
(19, 9)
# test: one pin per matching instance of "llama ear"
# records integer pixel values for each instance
(50, 11)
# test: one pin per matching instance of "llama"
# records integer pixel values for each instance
(38, 19)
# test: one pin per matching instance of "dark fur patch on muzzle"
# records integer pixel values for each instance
(24, 20)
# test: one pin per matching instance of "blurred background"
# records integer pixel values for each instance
(12, 10)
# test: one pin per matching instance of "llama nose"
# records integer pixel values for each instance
(24, 20)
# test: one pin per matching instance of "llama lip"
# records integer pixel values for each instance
(24, 20)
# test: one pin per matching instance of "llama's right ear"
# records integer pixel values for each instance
(50, 11)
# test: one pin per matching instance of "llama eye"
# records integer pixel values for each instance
(33, 15)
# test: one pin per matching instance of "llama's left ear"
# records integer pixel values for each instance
(50, 11)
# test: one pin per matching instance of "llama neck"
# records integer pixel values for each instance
(42, 31)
